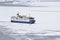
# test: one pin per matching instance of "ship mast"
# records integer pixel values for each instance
(29, 14)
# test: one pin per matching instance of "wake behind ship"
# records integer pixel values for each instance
(22, 19)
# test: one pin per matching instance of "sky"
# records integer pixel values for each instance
(42, 0)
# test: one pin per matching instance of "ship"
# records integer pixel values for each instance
(22, 19)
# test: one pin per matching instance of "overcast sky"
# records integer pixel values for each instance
(41, 0)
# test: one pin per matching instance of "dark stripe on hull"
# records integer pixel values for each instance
(31, 21)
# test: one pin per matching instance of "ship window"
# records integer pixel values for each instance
(31, 18)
